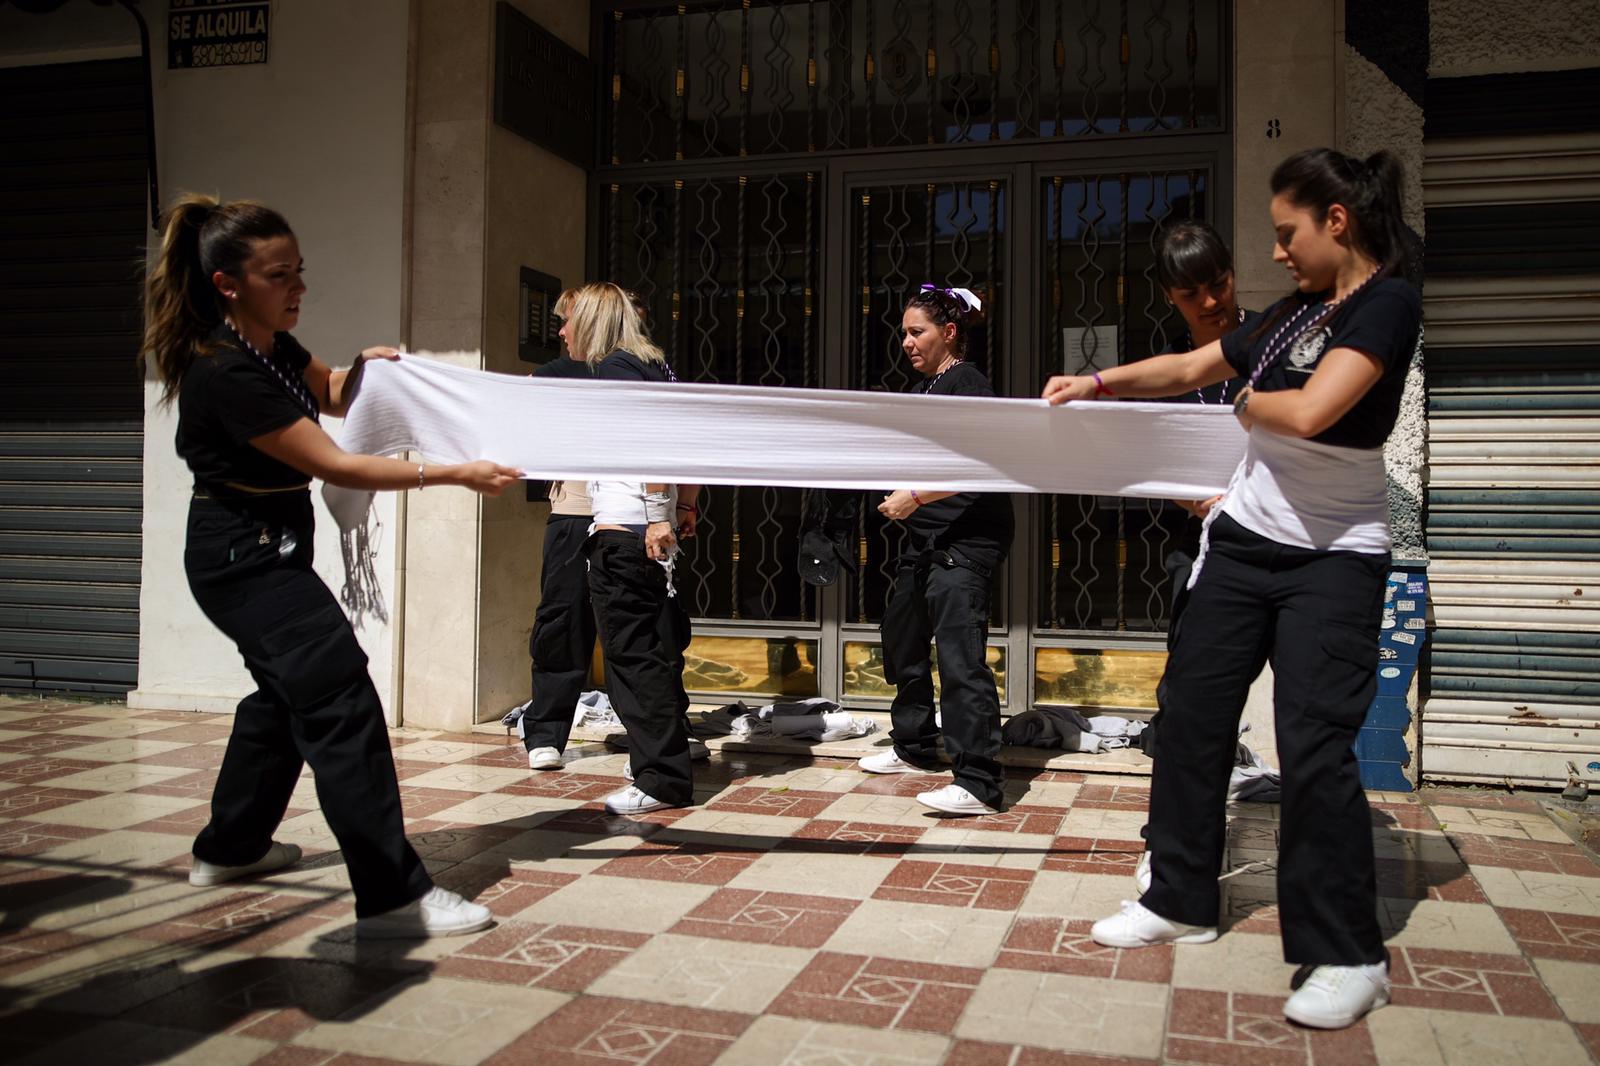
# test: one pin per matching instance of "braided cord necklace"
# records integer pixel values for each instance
(1281, 338)
(294, 385)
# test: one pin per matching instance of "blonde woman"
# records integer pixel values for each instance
(632, 542)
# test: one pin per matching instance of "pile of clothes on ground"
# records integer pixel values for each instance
(592, 712)
(814, 720)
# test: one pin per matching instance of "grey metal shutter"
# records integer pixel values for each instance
(1512, 182)
(72, 233)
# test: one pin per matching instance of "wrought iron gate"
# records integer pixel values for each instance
(781, 176)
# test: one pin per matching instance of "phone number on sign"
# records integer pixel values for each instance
(228, 53)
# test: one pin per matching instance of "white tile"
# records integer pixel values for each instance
(1066, 1012)
(706, 973)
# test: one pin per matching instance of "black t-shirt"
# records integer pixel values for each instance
(227, 399)
(564, 368)
(980, 524)
(623, 365)
(1223, 391)
(1380, 320)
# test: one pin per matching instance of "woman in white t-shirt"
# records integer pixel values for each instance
(1291, 571)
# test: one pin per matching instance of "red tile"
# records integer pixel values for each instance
(853, 838)
(26, 947)
(580, 788)
(1226, 1028)
(193, 732)
(684, 861)
(982, 1053)
(880, 993)
(1407, 879)
(1113, 797)
(1541, 856)
(184, 823)
(1590, 1033)
(53, 723)
(1031, 818)
(198, 786)
(784, 802)
(1468, 981)
(44, 743)
(458, 843)
(1063, 945)
(35, 799)
(23, 838)
(594, 820)
(592, 1030)
(563, 958)
(952, 884)
(779, 918)
(1550, 935)
(1094, 855)
(247, 922)
(517, 889)
(1402, 816)
(193, 757)
(41, 771)
(1482, 800)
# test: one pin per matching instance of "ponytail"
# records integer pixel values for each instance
(199, 236)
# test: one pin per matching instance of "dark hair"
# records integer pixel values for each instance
(944, 307)
(1189, 254)
(1369, 189)
(199, 236)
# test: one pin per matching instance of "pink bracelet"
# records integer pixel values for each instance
(1100, 388)
(915, 497)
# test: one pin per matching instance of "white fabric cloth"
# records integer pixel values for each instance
(1311, 495)
(689, 433)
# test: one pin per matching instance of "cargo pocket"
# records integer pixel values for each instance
(1346, 677)
(308, 658)
(550, 643)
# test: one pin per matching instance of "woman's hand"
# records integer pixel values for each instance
(1199, 508)
(688, 519)
(1064, 387)
(380, 352)
(483, 476)
(659, 541)
(898, 505)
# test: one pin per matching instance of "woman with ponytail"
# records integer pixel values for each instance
(1291, 571)
(954, 545)
(219, 303)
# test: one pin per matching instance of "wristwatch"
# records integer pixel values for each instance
(1241, 401)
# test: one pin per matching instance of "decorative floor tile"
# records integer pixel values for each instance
(596, 1030)
(879, 993)
(562, 958)
(50, 768)
(24, 801)
(950, 884)
(1449, 926)
(627, 903)
(504, 892)
(1114, 856)
(1537, 855)
(1113, 797)
(774, 1041)
(1576, 987)
(845, 876)
(692, 862)
(1099, 823)
(118, 810)
(1063, 945)
(1066, 1012)
(968, 841)
(22, 838)
(1233, 1027)
(783, 802)
(38, 744)
(467, 778)
(1514, 825)
(1465, 981)
(708, 974)
(116, 777)
(1554, 935)
(1540, 891)
(1454, 883)
(826, 836)
(576, 787)
(946, 935)
(1236, 962)
(783, 919)
(985, 1053)
(246, 922)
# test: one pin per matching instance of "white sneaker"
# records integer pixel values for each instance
(889, 762)
(953, 799)
(203, 874)
(634, 800)
(440, 912)
(1334, 997)
(1141, 873)
(1137, 926)
(544, 759)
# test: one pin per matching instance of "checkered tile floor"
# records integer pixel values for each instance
(802, 912)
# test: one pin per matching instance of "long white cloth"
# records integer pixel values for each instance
(696, 434)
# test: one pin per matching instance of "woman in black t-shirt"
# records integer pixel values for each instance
(219, 302)
(1291, 571)
(955, 543)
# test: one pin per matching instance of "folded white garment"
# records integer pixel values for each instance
(686, 433)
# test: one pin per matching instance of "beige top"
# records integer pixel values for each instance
(570, 498)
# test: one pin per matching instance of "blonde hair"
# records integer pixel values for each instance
(602, 319)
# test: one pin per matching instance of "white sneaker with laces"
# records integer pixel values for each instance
(544, 759)
(889, 762)
(439, 912)
(1141, 873)
(203, 874)
(633, 800)
(953, 799)
(1334, 997)
(1137, 926)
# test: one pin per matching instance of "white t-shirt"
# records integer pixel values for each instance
(621, 503)
(1311, 495)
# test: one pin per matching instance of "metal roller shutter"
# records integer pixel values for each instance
(72, 232)
(1513, 311)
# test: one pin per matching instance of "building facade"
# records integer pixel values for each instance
(773, 179)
